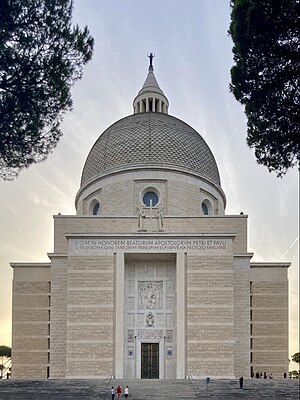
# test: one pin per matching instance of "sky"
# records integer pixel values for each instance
(192, 64)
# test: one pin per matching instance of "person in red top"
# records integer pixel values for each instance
(119, 392)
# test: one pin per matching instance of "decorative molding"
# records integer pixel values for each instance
(157, 334)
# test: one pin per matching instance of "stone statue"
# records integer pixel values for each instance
(150, 320)
(160, 219)
(141, 219)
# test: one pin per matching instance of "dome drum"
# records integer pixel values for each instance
(122, 193)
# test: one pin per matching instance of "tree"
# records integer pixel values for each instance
(41, 56)
(265, 77)
(5, 351)
(294, 374)
(5, 354)
(296, 358)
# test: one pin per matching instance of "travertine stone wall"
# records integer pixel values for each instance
(58, 316)
(269, 319)
(236, 225)
(242, 316)
(120, 194)
(90, 317)
(30, 325)
(210, 316)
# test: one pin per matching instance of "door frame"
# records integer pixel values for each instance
(138, 359)
(149, 351)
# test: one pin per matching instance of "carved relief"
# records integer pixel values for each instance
(130, 335)
(169, 351)
(145, 217)
(169, 336)
(130, 303)
(150, 320)
(150, 304)
(150, 334)
(130, 285)
(150, 295)
(130, 352)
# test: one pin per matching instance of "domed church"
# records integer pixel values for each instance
(151, 279)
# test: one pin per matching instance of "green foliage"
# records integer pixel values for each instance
(294, 374)
(5, 351)
(265, 77)
(5, 359)
(296, 358)
(41, 56)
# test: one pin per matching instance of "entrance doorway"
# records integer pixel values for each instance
(150, 361)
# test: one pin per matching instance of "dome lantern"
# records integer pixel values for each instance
(151, 98)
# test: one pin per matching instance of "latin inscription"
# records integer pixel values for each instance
(98, 246)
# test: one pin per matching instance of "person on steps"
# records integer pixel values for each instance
(241, 382)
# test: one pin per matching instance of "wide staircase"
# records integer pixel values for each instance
(217, 389)
(155, 389)
(256, 389)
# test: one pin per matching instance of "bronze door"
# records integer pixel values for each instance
(150, 361)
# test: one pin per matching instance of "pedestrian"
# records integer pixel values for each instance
(126, 392)
(284, 375)
(112, 393)
(119, 392)
(265, 375)
(257, 375)
(271, 376)
(241, 382)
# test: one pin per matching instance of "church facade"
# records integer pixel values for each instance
(151, 279)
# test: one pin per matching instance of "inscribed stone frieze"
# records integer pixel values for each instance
(108, 246)
(150, 334)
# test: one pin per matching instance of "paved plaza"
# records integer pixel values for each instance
(148, 389)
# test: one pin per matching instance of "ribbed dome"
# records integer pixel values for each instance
(150, 139)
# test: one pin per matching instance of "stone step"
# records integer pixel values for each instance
(279, 389)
